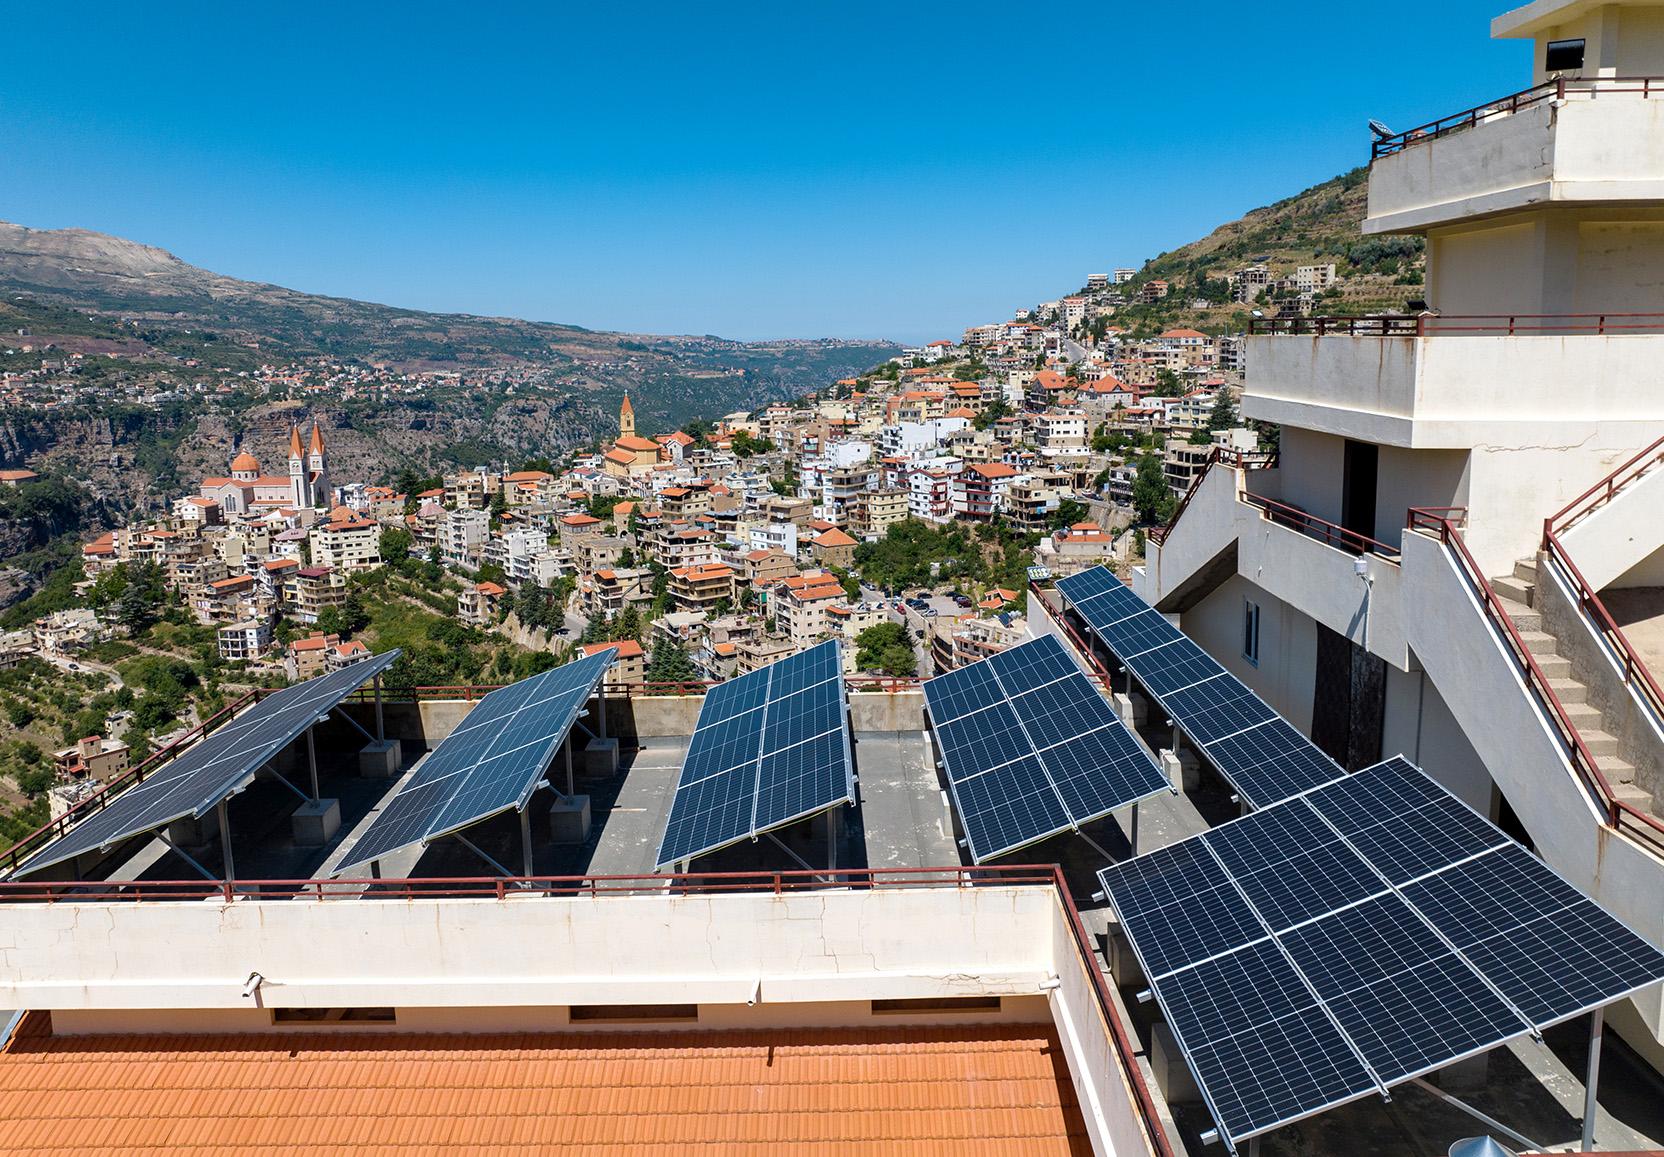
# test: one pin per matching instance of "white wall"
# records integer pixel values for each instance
(1612, 545)
(1287, 671)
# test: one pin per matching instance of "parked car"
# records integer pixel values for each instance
(962, 600)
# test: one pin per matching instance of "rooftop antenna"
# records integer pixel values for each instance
(1381, 131)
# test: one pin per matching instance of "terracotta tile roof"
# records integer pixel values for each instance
(890, 1089)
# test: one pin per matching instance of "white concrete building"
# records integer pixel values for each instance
(1467, 642)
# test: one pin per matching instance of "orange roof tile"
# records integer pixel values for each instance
(886, 1089)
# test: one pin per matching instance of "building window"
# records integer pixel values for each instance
(1563, 56)
(333, 1016)
(937, 1004)
(1251, 632)
(631, 1013)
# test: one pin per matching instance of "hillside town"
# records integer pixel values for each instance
(903, 512)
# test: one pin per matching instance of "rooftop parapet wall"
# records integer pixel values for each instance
(1600, 146)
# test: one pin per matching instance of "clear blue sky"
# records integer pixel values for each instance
(854, 169)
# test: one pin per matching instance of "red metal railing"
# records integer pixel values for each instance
(1619, 814)
(776, 883)
(1557, 89)
(52, 829)
(1446, 325)
(1605, 490)
(1238, 459)
(1319, 529)
(1637, 676)
(1099, 672)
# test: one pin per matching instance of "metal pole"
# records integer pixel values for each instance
(312, 763)
(601, 704)
(526, 840)
(569, 785)
(1134, 839)
(1591, 1079)
(832, 826)
(381, 730)
(225, 842)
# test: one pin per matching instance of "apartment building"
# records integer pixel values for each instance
(1060, 431)
(244, 641)
(93, 757)
(462, 537)
(979, 492)
(703, 587)
(312, 590)
(800, 607)
(875, 511)
(347, 544)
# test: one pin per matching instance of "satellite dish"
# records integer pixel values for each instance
(1381, 130)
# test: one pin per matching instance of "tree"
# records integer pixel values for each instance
(1068, 513)
(1152, 498)
(395, 545)
(670, 664)
(1223, 414)
(992, 413)
(627, 557)
(887, 648)
(1168, 384)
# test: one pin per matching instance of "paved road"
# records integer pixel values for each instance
(82, 666)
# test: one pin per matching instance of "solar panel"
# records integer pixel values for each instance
(769, 748)
(1261, 756)
(1032, 748)
(1350, 938)
(493, 762)
(205, 773)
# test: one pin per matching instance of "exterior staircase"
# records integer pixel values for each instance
(1517, 592)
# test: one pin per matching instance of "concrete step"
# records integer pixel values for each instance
(1526, 570)
(1633, 796)
(1539, 643)
(1554, 667)
(1514, 589)
(1586, 718)
(1524, 618)
(1617, 770)
(1569, 690)
(1600, 744)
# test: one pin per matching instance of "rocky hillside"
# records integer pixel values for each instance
(1319, 225)
(166, 310)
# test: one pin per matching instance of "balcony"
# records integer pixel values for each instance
(1593, 141)
(1448, 382)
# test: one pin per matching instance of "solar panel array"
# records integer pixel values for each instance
(491, 763)
(205, 773)
(1032, 748)
(1264, 758)
(1351, 938)
(769, 748)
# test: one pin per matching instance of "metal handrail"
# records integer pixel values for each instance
(775, 883)
(1319, 529)
(1577, 751)
(136, 774)
(1605, 490)
(1237, 459)
(1447, 324)
(1556, 89)
(1636, 673)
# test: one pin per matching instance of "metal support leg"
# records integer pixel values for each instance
(1253, 1147)
(526, 841)
(225, 843)
(601, 709)
(312, 762)
(1483, 1118)
(832, 833)
(1133, 835)
(569, 784)
(381, 730)
(1591, 1079)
